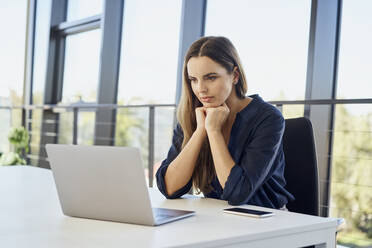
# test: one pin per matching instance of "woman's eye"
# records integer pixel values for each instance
(212, 78)
(192, 80)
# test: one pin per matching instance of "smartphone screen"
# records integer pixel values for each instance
(248, 212)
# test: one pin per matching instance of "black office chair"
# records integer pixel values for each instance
(301, 171)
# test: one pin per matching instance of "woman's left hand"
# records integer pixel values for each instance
(216, 117)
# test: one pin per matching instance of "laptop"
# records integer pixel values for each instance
(105, 183)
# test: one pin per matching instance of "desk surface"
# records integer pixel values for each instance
(30, 216)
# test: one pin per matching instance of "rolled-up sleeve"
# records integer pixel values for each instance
(172, 154)
(256, 162)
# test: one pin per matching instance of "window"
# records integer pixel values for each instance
(272, 40)
(149, 56)
(355, 63)
(351, 186)
(148, 73)
(78, 9)
(80, 82)
(12, 49)
(80, 78)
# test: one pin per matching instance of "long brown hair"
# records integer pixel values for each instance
(222, 51)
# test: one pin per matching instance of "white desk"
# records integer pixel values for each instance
(30, 216)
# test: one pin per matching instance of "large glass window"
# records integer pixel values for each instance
(80, 81)
(12, 49)
(78, 9)
(149, 57)
(272, 39)
(351, 185)
(148, 73)
(355, 56)
(80, 78)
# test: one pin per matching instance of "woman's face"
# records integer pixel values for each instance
(210, 82)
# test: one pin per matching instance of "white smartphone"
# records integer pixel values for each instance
(249, 212)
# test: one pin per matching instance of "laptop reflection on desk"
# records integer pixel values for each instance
(105, 183)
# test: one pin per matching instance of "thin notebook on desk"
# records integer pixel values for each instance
(105, 183)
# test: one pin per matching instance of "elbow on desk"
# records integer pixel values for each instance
(171, 196)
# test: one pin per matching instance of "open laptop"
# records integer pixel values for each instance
(105, 183)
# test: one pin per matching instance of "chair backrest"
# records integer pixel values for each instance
(301, 171)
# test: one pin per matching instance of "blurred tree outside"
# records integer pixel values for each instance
(66, 127)
(131, 129)
(290, 110)
(351, 189)
(85, 130)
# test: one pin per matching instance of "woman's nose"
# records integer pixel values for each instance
(202, 87)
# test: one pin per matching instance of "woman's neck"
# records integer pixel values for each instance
(236, 105)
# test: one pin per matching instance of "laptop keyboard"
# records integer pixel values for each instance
(161, 213)
(163, 216)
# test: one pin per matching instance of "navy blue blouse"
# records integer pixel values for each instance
(255, 144)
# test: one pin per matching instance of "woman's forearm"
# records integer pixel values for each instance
(222, 159)
(182, 167)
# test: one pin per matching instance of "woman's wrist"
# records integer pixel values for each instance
(200, 132)
(213, 132)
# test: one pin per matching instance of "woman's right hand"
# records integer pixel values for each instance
(200, 119)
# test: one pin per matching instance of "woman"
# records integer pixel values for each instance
(228, 146)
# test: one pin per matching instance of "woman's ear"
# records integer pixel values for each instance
(236, 75)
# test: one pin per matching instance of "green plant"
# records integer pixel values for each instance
(19, 139)
(12, 158)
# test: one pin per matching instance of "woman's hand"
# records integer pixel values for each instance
(200, 119)
(216, 117)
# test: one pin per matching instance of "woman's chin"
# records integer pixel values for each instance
(211, 104)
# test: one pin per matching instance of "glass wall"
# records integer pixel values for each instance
(12, 49)
(351, 184)
(13, 16)
(81, 73)
(148, 72)
(149, 52)
(82, 58)
(355, 57)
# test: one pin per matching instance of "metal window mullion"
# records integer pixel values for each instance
(29, 53)
(192, 28)
(55, 65)
(28, 66)
(80, 29)
(54, 77)
(111, 24)
(151, 144)
(77, 23)
(321, 78)
(75, 125)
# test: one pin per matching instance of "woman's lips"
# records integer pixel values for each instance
(206, 99)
